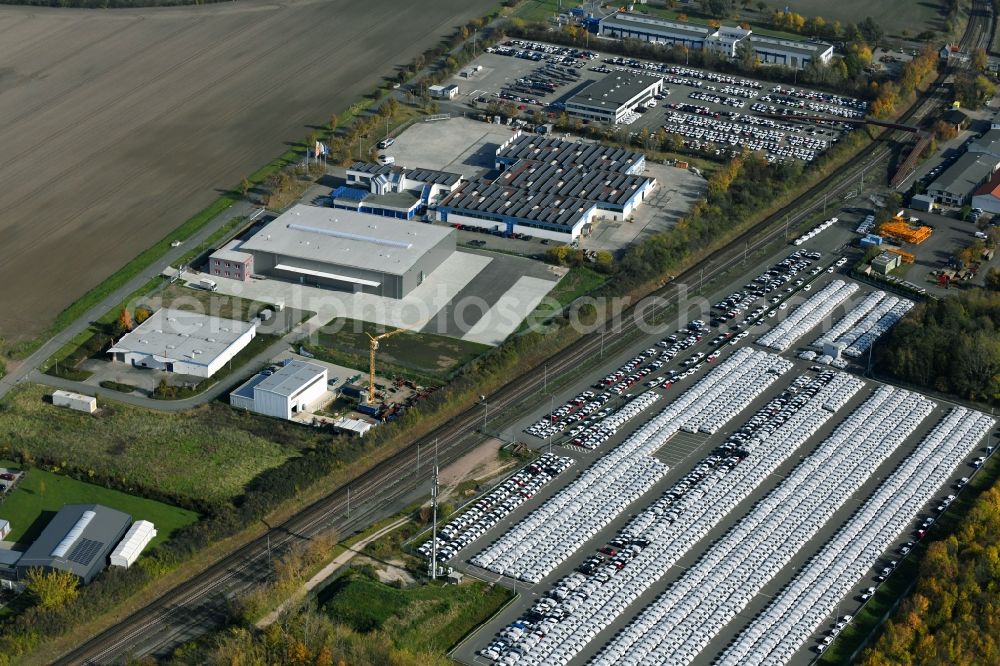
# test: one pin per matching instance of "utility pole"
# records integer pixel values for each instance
(434, 522)
(746, 250)
(486, 411)
(545, 380)
(418, 458)
(348, 502)
(551, 399)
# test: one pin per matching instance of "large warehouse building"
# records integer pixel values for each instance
(188, 343)
(294, 388)
(551, 188)
(723, 40)
(611, 99)
(78, 539)
(349, 251)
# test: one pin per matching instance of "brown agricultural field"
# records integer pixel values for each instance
(119, 125)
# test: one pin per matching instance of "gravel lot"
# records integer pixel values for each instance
(121, 124)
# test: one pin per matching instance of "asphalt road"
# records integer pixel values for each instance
(26, 369)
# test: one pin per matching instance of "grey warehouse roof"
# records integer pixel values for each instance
(570, 153)
(808, 48)
(614, 89)
(180, 334)
(290, 378)
(646, 24)
(988, 142)
(604, 186)
(347, 238)
(965, 174)
(423, 175)
(491, 197)
(84, 553)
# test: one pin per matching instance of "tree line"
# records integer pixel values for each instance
(950, 617)
(950, 345)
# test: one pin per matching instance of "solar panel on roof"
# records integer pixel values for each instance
(84, 551)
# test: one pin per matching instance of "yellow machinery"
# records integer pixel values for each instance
(901, 230)
(905, 257)
(371, 360)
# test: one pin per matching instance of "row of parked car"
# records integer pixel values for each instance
(672, 626)
(566, 623)
(802, 607)
(815, 107)
(696, 129)
(808, 315)
(494, 506)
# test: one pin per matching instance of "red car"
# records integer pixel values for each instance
(7, 476)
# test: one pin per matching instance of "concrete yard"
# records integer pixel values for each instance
(459, 145)
(121, 124)
(473, 295)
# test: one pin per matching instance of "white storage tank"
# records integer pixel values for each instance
(132, 544)
(81, 403)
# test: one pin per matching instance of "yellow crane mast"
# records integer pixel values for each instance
(373, 345)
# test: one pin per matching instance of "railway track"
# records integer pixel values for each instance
(200, 604)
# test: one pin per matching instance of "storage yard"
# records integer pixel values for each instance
(701, 106)
(737, 489)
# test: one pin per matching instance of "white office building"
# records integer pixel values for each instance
(294, 388)
(723, 41)
(188, 343)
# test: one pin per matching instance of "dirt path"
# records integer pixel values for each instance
(483, 463)
(327, 571)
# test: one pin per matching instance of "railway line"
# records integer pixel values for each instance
(201, 603)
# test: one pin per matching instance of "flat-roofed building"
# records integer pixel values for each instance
(230, 262)
(789, 52)
(568, 154)
(296, 387)
(550, 188)
(623, 25)
(386, 178)
(723, 40)
(188, 343)
(611, 99)
(78, 539)
(349, 251)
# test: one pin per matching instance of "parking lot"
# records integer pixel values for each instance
(717, 493)
(717, 112)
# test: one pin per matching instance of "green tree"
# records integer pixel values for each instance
(717, 8)
(979, 59)
(871, 31)
(746, 56)
(244, 186)
(52, 589)
(604, 261)
(761, 6)
(992, 279)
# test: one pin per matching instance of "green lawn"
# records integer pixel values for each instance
(578, 281)
(431, 618)
(40, 494)
(431, 356)
(204, 454)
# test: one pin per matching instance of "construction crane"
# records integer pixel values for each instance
(373, 345)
